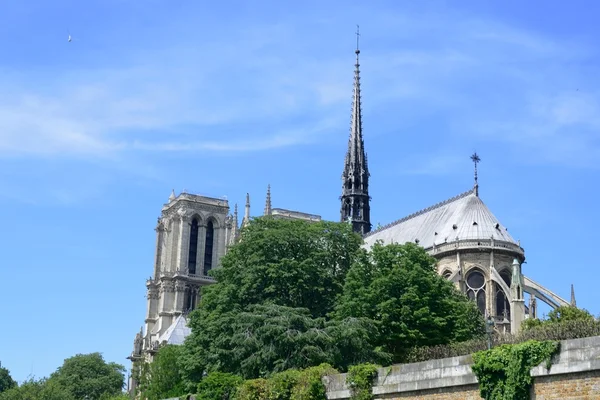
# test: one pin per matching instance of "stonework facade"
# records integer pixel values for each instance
(574, 375)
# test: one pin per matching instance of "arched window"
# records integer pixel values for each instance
(505, 274)
(193, 246)
(502, 306)
(189, 299)
(208, 247)
(476, 289)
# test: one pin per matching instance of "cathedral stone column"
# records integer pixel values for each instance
(179, 296)
(184, 247)
(159, 248)
(517, 305)
(201, 248)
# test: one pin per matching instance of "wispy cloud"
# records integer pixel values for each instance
(482, 79)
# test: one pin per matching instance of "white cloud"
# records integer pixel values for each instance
(486, 81)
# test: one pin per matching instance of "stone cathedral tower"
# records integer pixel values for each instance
(192, 234)
(355, 207)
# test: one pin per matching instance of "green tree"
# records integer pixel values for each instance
(89, 375)
(42, 389)
(290, 263)
(397, 286)
(282, 278)
(559, 315)
(161, 378)
(218, 385)
(6, 381)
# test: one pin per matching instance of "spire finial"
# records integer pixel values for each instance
(475, 158)
(357, 40)
(268, 201)
(573, 301)
(247, 211)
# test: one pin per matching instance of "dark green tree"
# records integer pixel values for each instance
(218, 385)
(290, 263)
(397, 286)
(6, 381)
(268, 310)
(161, 378)
(42, 389)
(89, 375)
(559, 315)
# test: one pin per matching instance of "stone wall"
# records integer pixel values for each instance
(575, 374)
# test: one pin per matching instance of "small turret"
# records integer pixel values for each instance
(517, 304)
(268, 207)
(246, 220)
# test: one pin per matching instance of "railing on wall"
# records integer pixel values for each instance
(490, 244)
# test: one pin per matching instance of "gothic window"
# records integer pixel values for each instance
(189, 299)
(186, 299)
(208, 247)
(502, 307)
(505, 275)
(193, 246)
(476, 289)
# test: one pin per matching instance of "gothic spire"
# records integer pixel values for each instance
(355, 198)
(246, 220)
(234, 227)
(268, 201)
(573, 301)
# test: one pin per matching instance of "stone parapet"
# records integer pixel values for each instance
(574, 374)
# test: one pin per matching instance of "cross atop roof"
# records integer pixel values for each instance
(475, 158)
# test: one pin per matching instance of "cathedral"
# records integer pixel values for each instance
(472, 248)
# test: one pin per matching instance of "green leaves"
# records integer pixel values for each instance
(89, 375)
(397, 287)
(360, 380)
(162, 378)
(6, 381)
(293, 294)
(504, 371)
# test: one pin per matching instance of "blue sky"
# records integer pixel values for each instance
(224, 98)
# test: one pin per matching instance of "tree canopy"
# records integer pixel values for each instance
(557, 316)
(161, 378)
(293, 294)
(291, 263)
(42, 389)
(6, 381)
(89, 375)
(398, 288)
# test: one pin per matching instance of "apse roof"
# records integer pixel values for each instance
(462, 217)
(177, 332)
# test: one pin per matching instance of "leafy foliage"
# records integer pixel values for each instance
(290, 263)
(269, 338)
(360, 380)
(504, 372)
(559, 315)
(253, 389)
(42, 389)
(89, 375)
(161, 378)
(268, 310)
(6, 381)
(565, 330)
(218, 385)
(397, 287)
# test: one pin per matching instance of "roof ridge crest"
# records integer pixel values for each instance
(423, 211)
